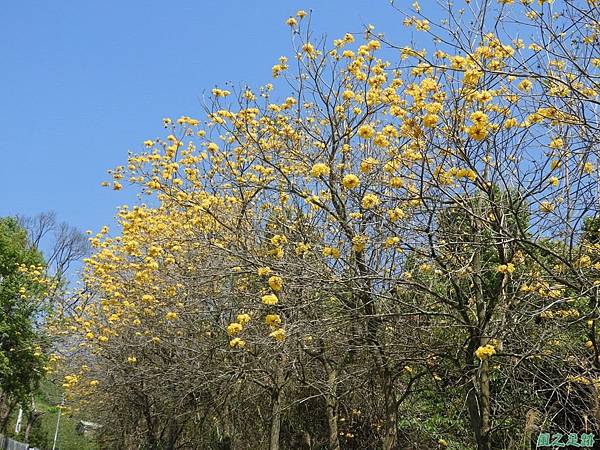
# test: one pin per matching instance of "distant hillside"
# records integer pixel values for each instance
(47, 400)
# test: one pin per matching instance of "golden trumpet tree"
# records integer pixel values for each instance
(399, 221)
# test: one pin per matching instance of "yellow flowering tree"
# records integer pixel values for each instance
(382, 227)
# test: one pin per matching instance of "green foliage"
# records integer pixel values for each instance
(20, 300)
(47, 399)
(426, 419)
(591, 229)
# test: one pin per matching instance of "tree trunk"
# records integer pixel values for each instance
(27, 432)
(275, 419)
(229, 441)
(6, 416)
(474, 415)
(172, 435)
(32, 419)
(480, 395)
(389, 439)
(331, 405)
(484, 386)
(391, 413)
(478, 404)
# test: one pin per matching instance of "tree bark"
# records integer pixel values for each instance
(275, 419)
(479, 409)
(331, 404)
(478, 400)
(6, 416)
(474, 415)
(484, 387)
(391, 413)
(229, 437)
(32, 419)
(389, 439)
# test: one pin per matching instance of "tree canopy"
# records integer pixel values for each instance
(23, 287)
(387, 247)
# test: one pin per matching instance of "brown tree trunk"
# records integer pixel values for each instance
(275, 419)
(389, 439)
(474, 416)
(276, 407)
(229, 428)
(391, 413)
(6, 416)
(484, 387)
(478, 401)
(32, 419)
(479, 409)
(331, 405)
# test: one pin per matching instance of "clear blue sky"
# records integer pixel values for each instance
(83, 82)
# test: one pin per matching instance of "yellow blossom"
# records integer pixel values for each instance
(302, 248)
(269, 299)
(243, 319)
(381, 141)
(391, 241)
(350, 181)
(430, 120)
(477, 132)
(263, 271)
(370, 201)
(331, 251)
(546, 207)
(525, 85)
(506, 268)
(278, 334)
(220, 92)
(396, 182)
(368, 164)
(309, 49)
(237, 343)
(479, 118)
(485, 351)
(359, 243)
(556, 143)
(276, 283)
(396, 214)
(147, 298)
(279, 240)
(234, 328)
(320, 170)
(348, 95)
(366, 131)
(272, 319)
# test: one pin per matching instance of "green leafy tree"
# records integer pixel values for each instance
(23, 287)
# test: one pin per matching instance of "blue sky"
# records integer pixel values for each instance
(84, 82)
